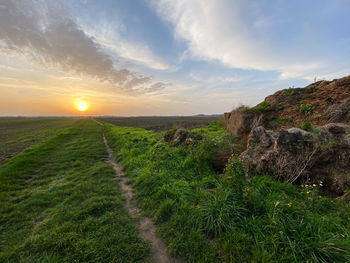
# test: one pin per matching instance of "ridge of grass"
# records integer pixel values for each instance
(18, 133)
(60, 202)
(231, 217)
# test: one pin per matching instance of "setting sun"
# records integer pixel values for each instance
(82, 106)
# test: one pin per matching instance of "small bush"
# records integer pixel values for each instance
(306, 108)
(290, 90)
(306, 126)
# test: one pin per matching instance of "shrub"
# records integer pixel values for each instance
(306, 108)
(306, 125)
(290, 90)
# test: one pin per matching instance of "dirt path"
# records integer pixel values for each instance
(146, 227)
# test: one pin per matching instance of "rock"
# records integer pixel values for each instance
(294, 155)
(293, 138)
(241, 121)
(261, 136)
(168, 136)
(336, 128)
(260, 141)
(339, 112)
(182, 136)
(177, 137)
(319, 103)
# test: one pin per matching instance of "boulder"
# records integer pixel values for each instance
(182, 136)
(294, 155)
(339, 112)
(241, 121)
(178, 137)
(293, 139)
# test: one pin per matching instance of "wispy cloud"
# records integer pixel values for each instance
(107, 34)
(217, 79)
(217, 30)
(44, 31)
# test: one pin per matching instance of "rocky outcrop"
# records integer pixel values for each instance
(319, 103)
(295, 155)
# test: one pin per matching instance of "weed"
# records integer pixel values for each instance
(306, 125)
(306, 108)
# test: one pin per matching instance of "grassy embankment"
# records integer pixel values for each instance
(60, 202)
(209, 217)
(16, 134)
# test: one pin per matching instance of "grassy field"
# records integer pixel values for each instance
(60, 202)
(162, 123)
(16, 134)
(205, 216)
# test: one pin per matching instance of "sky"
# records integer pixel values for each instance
(164, 57)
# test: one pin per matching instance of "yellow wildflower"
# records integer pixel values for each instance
(198, 206)
(277, 203)
(289, 204)
(308, 192)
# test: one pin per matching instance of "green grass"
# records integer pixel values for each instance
(290, 90)
(307, 108)
(205, 216)
(60, 202)
(261, 107)
(16, 134)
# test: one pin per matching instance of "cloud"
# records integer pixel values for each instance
(217, 30)
(216, 79)
(44, 31)
(107, 34)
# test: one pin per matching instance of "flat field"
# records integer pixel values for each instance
(16, 134)
(163, 123)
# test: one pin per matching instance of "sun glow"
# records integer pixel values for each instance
(82, 106)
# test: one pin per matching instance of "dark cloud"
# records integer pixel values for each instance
(43, 30)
